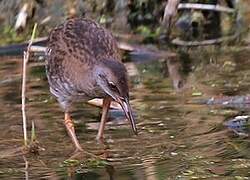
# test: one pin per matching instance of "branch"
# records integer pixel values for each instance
(205, 7)
(26, 55)
(204, 42)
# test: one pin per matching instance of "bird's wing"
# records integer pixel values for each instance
(87, 38)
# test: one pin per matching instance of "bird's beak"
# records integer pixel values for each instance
(128, 112)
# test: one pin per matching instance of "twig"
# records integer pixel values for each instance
(26, 55)
(26, 167)
(180, 42)
(37, 48)
(210, 7)
(137, 49)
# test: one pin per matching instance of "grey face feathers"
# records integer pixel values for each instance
(112, 78)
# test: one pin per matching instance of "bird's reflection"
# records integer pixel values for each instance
(102, 155)
(175, 72)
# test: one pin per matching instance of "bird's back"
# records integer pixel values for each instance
(84, 40)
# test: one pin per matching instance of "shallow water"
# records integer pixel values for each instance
(178, 138)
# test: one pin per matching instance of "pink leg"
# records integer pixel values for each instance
(71, 131)
(105, 109)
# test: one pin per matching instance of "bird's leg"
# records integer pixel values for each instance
(105, 109)
(71, 131)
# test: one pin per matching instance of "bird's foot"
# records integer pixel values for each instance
(78, 153)
(99, 139)
(79, 149)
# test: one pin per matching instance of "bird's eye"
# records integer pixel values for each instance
(112, 85)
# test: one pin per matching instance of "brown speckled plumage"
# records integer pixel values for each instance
(83, 62)
(74, 47)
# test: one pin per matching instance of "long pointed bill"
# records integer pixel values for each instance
(128, 113)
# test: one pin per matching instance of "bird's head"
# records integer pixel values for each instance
(111, 77)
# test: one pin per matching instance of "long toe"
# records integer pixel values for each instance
(78, 149)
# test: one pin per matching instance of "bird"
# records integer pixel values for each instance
(82, 63)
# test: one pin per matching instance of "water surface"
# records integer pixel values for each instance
(178, 138)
